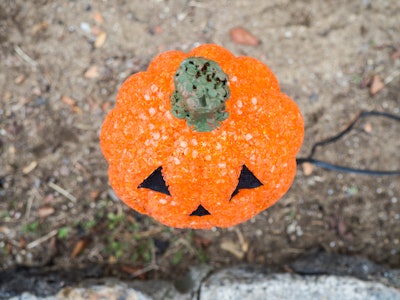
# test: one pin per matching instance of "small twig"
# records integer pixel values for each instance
(198, 4)
(152, 266)
(149, 268)
(113, 196)
(25, 57)
(63, 192)
(243, 243)
(42, 239)
(150, 232)
(185, 243)
(120, 210)
(14, 243)
(95, 253)
(29, 207)
(153, 255)
(391, 77)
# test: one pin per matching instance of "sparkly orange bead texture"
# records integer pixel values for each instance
(202, 139)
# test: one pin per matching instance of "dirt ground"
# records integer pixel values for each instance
(61, 64)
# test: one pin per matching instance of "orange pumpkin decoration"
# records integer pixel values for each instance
(202, 139)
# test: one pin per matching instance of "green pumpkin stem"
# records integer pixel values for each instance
(201, 90)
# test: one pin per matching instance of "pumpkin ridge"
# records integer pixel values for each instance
(166, 63)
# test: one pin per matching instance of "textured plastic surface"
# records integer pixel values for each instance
(264, 131)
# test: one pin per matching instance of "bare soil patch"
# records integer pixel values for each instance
(61, 64)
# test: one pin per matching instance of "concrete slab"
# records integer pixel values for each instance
(232, 284)
(240, 284)
(315, 276)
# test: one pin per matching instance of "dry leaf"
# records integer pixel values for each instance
(72, 104)
(39, 27)
(79, 247)
(100, 40)
(68, 100)
(45, 211)
(106, 106)
(341, 227)
(8, 248)
(376, 85)
(112, 260)
(29, 168)
(19, 79)
(94, 194)
(77, 109)
(92, 72)
(308, 168)
(12, 150)
(98, 17)
(241, 36)
(22, 242)
(201, 242)
(129, 269)
(36, 91)
(5, 230)
(139, 273)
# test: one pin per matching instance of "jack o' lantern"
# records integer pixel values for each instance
(202, 139)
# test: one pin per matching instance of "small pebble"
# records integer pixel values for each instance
(85, 27)
(288, 34)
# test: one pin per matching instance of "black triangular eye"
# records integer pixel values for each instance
(200, 211)
(155, 182)
(247, 180)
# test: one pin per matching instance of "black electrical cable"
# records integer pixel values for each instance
(333, 167)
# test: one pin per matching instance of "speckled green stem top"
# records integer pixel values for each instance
(201, 89)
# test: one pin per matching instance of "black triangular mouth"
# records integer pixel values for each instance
(156, 182)
(200, 211)
(247, 180)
